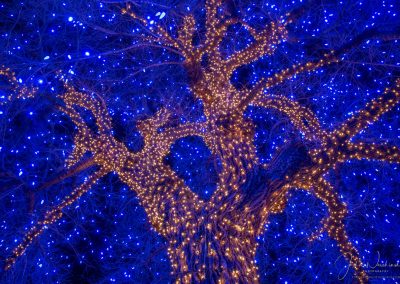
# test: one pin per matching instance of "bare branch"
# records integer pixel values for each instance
(77, 168)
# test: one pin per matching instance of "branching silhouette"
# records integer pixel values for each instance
(215, 240)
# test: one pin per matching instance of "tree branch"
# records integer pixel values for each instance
(334, 224)
(302, 118)
(380, 152)
(328, 58)
(369, 114)
(77, 168)
(265, 43)
(51, 217)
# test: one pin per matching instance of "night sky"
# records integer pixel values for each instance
(105, 237)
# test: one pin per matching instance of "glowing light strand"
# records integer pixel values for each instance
(218, 238)
(18, 91)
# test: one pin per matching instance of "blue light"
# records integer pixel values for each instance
(106, 237)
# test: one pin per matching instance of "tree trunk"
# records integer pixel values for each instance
(217, 252)
(220, 246)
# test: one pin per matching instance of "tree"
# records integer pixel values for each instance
(215, 240)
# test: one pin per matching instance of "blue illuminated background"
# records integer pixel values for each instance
(105, 236)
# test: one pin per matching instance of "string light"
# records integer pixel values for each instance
(18, 91)
(216, 240)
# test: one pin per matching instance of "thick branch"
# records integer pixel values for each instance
(369, 114)
(267, 193)
(186, 32)
(212, 19)
(378, 152)
(265, 43)
(334, 224)
(213, 40)
(73, 98)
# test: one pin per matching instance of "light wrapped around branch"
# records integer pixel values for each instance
(74, 98)
(302, 118)
(157, 34)
(51, 217)
(286, 74)
(215, 241)
(86, 139)
(337, 147)
(266, 42)
(378, 152)
(18, 91)
(334, 224)
(187, 31)
(370, 113)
